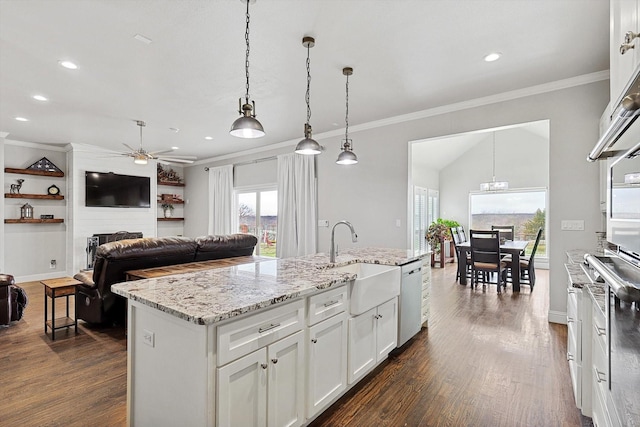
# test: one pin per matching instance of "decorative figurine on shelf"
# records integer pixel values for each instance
(168, 208)
(168, 175)
(26, 211)
(15, 188)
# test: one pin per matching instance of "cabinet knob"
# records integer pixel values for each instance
(625, 47)
(630, 36)
(274, 361)
(314, 340)
(570, 356)
(264, 365)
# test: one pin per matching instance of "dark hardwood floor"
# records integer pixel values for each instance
(486, 360)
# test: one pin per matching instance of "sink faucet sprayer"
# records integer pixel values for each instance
(354, 238)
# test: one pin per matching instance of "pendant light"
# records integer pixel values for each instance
(308, 146)
(347, 157)
(494, 185)
(247, 126)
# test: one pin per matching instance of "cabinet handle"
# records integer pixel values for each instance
(314, 340)
(625, 47)
(598, 376)
(570, 320)
(268, 328)
(630, 36)
(600, 331)
(570, 357)
(274, 361)
(378, 316)
(264, 365)
(330, 303)
(571, 291)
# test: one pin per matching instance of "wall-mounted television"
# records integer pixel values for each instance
(117, 191)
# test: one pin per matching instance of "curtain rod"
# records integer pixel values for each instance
(249, 162)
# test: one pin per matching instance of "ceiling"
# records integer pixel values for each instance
(407, 56)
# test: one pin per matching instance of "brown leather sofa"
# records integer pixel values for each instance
(13, 300)
(94, 301)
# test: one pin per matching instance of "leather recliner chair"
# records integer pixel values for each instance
(13, 300)
(95, 303)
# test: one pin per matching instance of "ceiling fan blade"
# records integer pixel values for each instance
(175, 160)
(154, 153)
(133, 150)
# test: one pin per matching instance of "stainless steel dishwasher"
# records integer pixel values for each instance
(410, 301)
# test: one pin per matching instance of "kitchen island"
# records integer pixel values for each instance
(268, 343)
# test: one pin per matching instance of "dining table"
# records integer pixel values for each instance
(513, 247)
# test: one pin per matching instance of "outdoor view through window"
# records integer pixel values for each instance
(525, 210)
(258, 215)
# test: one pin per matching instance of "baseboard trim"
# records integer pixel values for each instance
(39, 277)
(557, 317)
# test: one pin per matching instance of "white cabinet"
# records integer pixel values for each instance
(372, 335)
(624, 18)
(326, 362)
(426, 290)
(264, 388)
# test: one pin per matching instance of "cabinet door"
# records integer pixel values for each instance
(362, 344)
(327, 362)
(242, 391)
(386, 329)
(624, 16)
(285, 397)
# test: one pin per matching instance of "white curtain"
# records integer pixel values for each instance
(221, 200)
(297, 204)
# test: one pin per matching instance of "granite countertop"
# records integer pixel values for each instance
(210, 296)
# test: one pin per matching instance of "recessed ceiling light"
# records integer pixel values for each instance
(68, 64)
(175, 148)
(176, 130)
(143, 39)
(40, 98)
(208, 138)
(492, 57)
(22, 119)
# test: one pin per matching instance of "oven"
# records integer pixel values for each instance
(622, 311)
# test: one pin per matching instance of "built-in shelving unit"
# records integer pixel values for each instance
(33, 196)
(34, 172)
(179, 201)
(34, 221)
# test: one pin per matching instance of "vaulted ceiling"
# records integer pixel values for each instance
(407, 55)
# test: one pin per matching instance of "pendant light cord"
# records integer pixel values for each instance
(346, 116)
(246, 60)
(307, 96)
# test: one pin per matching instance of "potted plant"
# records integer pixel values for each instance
(167, 208)
(437, 233)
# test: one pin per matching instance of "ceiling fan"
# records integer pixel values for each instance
(142, 156)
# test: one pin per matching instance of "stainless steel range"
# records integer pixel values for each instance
(623, 331)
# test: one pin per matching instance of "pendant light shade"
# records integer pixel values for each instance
(347, 157)
(494, 185)
(308, 146)
(247, 126)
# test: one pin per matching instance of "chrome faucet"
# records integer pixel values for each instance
(354, 238)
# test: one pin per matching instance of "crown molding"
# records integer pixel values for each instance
(38, 145)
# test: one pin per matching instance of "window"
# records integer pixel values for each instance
(524, 209)
(425, 211)
(258, 215)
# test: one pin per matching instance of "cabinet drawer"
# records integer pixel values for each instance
(573, 303)
(240, 337)
(574, 345)
(599, 331)
(327, 304)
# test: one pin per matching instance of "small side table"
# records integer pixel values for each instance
(56, 288)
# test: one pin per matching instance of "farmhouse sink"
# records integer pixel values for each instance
(374, 284)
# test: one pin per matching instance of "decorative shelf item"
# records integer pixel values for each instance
(169, 177)
(44, 165)
(170, 219)
(33, 196)
(33, 221)
(59, 174)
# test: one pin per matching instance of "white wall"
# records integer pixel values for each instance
(86, 221)
(522, 159)
(3, 135)
(373, 194)
(425, 177)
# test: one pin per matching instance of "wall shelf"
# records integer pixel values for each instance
(172, 184)
(34, 221)
(172, 201)
(34, 172)
(33, 196)
(170, 219)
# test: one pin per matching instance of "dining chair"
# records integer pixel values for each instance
(506, 231)
(485, 258)
(462, 234)
(527, 267)
(457, 239)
